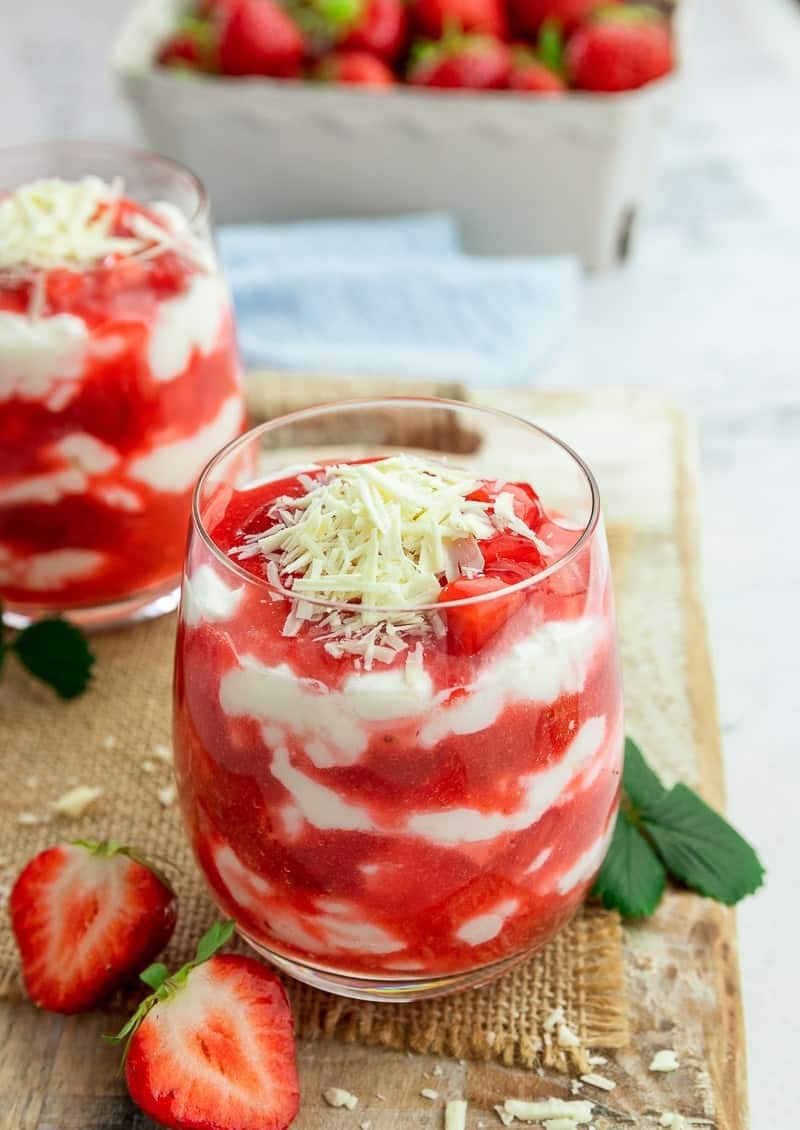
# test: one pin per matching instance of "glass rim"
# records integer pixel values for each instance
(199, 213)
(584, 536)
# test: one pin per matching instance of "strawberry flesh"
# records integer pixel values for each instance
(86, 923)
(218, 1053)
(473, 626)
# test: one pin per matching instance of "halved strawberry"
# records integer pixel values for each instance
(88, 917)
(461, 62)
(472, 626)
(212, 1048)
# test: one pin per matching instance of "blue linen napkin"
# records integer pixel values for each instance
(394, 297)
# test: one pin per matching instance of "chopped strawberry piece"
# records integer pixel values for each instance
(259, 38)
(64, 289)
(213, 1048)
(472, 626)
(87, 918)
(510, 552)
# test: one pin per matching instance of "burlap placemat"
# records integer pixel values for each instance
(117, 736)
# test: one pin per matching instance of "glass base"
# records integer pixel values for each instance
(399, 990)
(145, 605)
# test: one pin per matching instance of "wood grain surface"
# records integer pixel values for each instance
(681, 966)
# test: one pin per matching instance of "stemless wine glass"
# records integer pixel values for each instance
(405, 824)
(119, 378)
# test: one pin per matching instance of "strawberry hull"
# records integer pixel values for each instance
(117, 383)
(424, 817)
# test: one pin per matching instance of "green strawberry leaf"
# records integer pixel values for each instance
(700, 848)
(58, 653)
(155, 975)
(550, 46)
(640, 782)
(213, 939)
(632, 878)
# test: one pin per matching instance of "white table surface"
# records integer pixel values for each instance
(709, 311)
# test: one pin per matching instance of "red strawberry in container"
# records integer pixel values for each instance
(381, 28)
(192, 46)
(353, 68)
(529, 74)
(257, 37)
(620, 49)
(530, 15)
(434, 18)
(212, 1048)
(461, 62)
(87, 918)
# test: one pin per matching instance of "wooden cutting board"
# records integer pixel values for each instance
(681, 966)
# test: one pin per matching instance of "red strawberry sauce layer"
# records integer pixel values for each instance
(94, 497)
(423, 817)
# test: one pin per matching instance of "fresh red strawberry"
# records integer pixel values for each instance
(87, 918)
(531, 75)
(621, 49)
(472, 626)
(566, 14)
(192, 45)
(257, 37)
(434, 18)
(212, 1048)
(382, 29)
(356, 68)
(468, 62)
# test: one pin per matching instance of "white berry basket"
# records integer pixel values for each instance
(522, 175)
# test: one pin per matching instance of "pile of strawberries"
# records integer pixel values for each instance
(534, 46)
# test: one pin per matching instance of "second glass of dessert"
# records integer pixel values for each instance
(119, 378)
(398, 712)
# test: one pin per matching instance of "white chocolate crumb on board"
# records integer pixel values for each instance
(673, 1121)
(29, 818)
(599, 1081)
(438, 1069)
(109, 742)
(167, 796)
(597, 1060)
(559, 1124)
(554, 1018)
(429, 1093)
(365, 1125)
(504, 1116)
(31, 782)
(579, 1112)
(664, 1060)
(455, 1115)
(148, 766)
(75, 802)
(566, 1038)
(338, 1097)
(162, 753)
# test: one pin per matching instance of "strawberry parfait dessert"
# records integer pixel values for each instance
(119, 378)
(398, 713)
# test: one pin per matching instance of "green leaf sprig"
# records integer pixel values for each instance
(663, 833)
(54, 651)
(165, 984)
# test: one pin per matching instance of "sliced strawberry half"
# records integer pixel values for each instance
(87, 918)
(472, 626)
(212, 1048)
